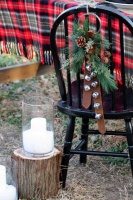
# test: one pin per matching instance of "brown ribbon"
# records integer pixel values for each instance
(87, 99)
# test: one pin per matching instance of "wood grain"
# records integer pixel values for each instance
(38, 177)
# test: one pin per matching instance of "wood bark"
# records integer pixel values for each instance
(38, 178)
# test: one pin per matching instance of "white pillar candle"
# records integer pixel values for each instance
(7, 192)
(2, 177)
(38, 124)
(37, 140)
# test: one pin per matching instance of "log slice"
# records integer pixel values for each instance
(38, 177)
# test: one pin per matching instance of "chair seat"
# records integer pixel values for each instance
(117, 113)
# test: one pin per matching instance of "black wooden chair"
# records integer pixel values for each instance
(116, 105)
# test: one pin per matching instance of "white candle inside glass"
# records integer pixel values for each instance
(37, 140)
(7, 192)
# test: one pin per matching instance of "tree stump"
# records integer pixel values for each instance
(38, 177)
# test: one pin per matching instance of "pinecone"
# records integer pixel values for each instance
(90, 34)
(92, 49)
(81, 41)
(105, 60)
(107, 54)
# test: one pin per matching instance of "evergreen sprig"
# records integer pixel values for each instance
(76, 55)
(104, 76)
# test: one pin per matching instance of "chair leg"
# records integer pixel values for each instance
(66, 150)
(84, 136)
(129, 131)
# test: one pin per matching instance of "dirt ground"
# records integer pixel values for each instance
(98, 180)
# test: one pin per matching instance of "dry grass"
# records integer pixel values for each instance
(98, 180)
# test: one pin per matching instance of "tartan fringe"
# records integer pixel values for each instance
(129, 81)
(9, 48)
(48, 57)
(16, 49)
(128, 78)
(27, 51)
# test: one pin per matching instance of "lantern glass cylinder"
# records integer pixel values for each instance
(38, 126)
(8, 178)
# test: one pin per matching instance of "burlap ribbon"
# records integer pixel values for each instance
(90, 92)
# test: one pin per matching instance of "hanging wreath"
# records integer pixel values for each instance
(87, 47)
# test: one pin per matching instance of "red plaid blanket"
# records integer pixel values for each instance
(128, 48)
(25, 26)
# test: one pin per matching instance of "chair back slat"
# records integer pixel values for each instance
(111, 63)
(79, 91)
(69, 88)
(122, 65)
(69, 96)
(110, 40)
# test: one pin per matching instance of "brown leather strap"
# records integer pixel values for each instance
(100, 122)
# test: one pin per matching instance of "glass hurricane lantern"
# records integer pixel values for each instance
(38, 126)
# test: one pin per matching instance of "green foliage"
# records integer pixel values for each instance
(14, 92)
(15, 120)
(104, 76)
(12, 59)
(121, 147)
(107, 146)
(64, 118)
